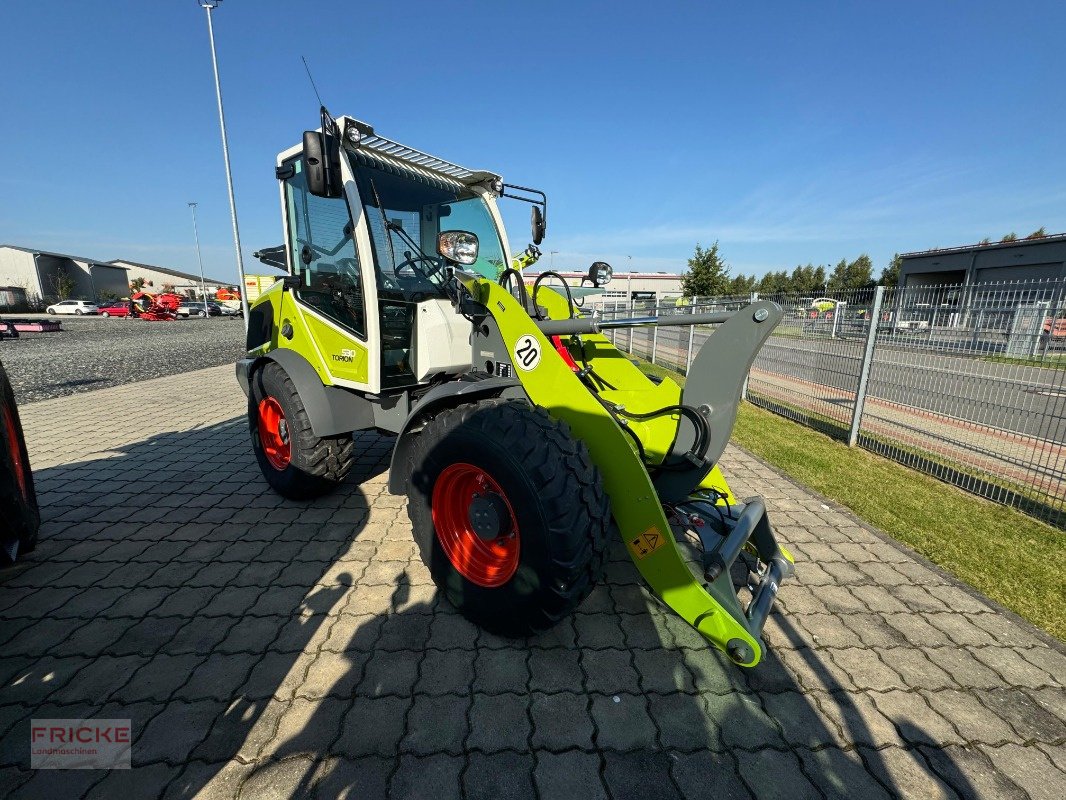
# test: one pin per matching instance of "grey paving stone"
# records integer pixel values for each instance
(763, 770)
(446, 672)
(742, 722)
(342, 776)
(1029, 768)
(857, 720)
(147, 781)
(622, 723)
(865, 669)
(917, 722)
(569, 775)
(1025, 715)
(642, 775)
(436, 776)
(439, 725)
(497, 671)
(555, 669)
(963, 668)
(609, 671)
(800, 720)
(498, 776)
(389, 672)
(683, 723)
(708, 776)
(1014, 667)
(915, 668)
(159, 678)
(173, 733)
(906, 774)
(971, 773)
(840, 774)
(373, 726)
(561, 721)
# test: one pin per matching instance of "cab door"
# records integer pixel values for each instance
(323, 242)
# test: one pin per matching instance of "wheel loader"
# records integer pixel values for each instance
(524, 440)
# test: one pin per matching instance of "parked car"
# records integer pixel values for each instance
(1056, 329)
(8, 330)
(195, 308)
(78, 307)
(115, 308)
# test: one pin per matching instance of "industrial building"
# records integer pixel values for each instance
(158, 277)
(1020, 260)
(646, 287)
(28, 275)
(30, 278)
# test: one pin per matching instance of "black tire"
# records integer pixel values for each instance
(104, 314)
(78, 312)
(561, 511)
(20, 517)
(51, 312)
(316, 465)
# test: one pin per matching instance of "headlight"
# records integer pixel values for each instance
(459, 247)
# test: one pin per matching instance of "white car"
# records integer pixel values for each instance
(78, 307)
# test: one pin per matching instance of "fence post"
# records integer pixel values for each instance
(867, 363)
(688, 360)
(655, 336)
(629, 348)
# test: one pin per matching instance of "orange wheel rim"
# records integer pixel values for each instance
(487, 558)
(274, 433)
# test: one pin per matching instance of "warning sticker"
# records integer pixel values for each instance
(647, 543)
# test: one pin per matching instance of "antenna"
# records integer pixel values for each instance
(308, 69)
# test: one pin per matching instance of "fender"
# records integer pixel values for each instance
(447, 395)
(332, 410)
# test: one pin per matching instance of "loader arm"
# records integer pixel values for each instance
(713, 609)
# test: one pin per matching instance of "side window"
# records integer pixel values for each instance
(323, 253)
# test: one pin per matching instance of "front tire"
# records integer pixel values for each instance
(20, 517)
(509, 514)
(104, 314)
(296, 463)
(78, 312)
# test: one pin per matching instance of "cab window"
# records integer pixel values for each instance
(322, 252)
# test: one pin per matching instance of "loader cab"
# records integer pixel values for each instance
(371, 284)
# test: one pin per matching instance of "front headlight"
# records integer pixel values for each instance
(459, 247)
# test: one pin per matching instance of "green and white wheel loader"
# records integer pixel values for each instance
(524, 438)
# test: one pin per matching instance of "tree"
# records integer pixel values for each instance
(742, 284)
(63, 285)
(137, 284)
(708, 274)
(852, 274)
(1039, 233)
(890, 274)
(986, 240)
(1010, 237)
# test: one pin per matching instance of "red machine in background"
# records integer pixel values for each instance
(155, 307)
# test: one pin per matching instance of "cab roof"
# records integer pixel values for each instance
(361, 137)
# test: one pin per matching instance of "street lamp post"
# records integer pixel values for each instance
(199, 258)
(209, 6)
(551, 262)
(629, 280)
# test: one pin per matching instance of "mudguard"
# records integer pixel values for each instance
(332, 410)
(447, 395)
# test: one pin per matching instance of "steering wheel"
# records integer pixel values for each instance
(411, 264)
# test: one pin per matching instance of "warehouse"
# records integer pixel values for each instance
(43, 275)
(155, 278)
(1021, 260)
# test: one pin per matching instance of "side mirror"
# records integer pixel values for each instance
(292, 281)
(536, 223)
(600, 273)
(322, 164)
(458, 247)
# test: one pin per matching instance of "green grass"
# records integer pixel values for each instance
(1006, 555)
(1051, 361)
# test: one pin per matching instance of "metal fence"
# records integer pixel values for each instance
(963, 382)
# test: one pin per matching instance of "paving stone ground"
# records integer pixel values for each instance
(265, 648)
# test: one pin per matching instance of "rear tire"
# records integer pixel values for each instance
(296, 463)
(78, 312)
(20, 517)
(546, 480)
(104, 314)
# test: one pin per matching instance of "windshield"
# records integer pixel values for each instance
(405, 212)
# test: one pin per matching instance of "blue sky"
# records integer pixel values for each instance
(790, 132)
